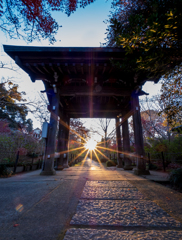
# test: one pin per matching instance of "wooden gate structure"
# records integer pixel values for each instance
(83, 82)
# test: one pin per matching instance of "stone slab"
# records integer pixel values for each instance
(94, 234)
(122, 213)
(111, 184)
(71, 177)
(111, 193)
(39, 209)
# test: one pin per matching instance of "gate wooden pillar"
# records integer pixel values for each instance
(66, 142)
(48, 165)
(126, 144)
(138, 135)
(60, 144)
(119, 145)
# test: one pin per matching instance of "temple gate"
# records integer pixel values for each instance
(83, 82)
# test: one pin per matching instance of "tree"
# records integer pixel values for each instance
(171, 97)
(77, 130)
(38, 107)
(29, 125)
(103, 125)
(150, 32)
(32, 19)
(12, 105)
(154, 119)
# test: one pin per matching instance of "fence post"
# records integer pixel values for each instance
(16, 162)
(163, 161)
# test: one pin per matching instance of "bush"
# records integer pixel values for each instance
(33, 155)
(103, 160)
(3, 170)
(110, 164)
(174, 166)
(152, 166)
(176, 178)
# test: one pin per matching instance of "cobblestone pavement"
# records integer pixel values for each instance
(122, 213)
(107, 208)
(111, 193)
(109, 184)
(84, 234)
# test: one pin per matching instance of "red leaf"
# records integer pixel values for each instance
(15, 225)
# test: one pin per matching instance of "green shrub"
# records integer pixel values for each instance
(110, 164)
(33, 155)
(176, 178)
(10, 164)
(103, 160)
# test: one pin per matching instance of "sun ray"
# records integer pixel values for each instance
(112, 150)
(104, 156)
(67, 126)
(84, 158)
(78, 142)
(71, 150)
(84, 150)
(122, 152)
(101, 142)
(91, 154)
(98, 159)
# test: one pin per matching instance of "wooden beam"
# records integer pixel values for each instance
(82, 68)
(74, 68)
(36, 66)
(95, 115)
(111, 70)
(50, 65)
(66, 65)
(28, 65)
(43, 65)
(85, 91)
(105, 64)
(58, 65)
(75, 111)
(97, 69)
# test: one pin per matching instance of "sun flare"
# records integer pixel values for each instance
(90, 144)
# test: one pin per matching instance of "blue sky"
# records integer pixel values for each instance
(85, 27)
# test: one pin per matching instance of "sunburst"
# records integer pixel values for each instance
(91, 146)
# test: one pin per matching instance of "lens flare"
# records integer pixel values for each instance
(19, 208)
(90, 144)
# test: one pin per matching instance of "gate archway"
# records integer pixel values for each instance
(83, 82)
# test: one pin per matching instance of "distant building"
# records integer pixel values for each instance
(37, 134)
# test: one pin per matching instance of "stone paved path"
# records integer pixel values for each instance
(87, 202)
(117, 210)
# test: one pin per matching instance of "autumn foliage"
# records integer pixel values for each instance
(150, 32)
(32, 19)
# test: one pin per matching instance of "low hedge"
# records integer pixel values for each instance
(103, 160)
